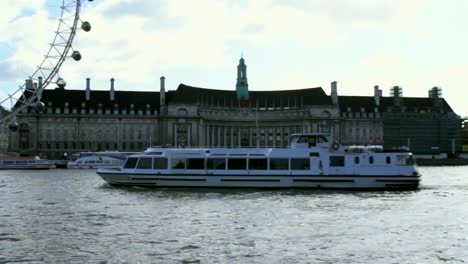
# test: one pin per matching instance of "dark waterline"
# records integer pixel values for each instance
(73, 216)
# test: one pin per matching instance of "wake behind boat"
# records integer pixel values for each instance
(312, 161)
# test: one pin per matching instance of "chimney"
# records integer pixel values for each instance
(377, 95)
(334, 93)
(39, 85)
(88, 89)
(112, 91)
(436, 95)
(397, 93)
(162, 92)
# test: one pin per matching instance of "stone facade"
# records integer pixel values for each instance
(92, 120)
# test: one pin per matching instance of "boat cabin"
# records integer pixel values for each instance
(305, 140)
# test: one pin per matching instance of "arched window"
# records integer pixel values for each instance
(371, 160)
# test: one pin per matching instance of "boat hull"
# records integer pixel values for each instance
(351, 182)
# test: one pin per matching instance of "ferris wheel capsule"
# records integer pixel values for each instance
(39, 107)
(76, 55)
(86, 26)
(61, 83)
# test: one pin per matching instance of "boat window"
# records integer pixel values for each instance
(312, 141)
(237, 164)
(153, 153)
(216, 164)
(388, 160)
(321, 139)
(196, 164)
(337, 161)
(8, 162)
(279, 164)
(258, 164)
(314, 154)
(303, 139)
(356, 160)
(410, 161)
(145, 163)
(91, 161)
(160, 163)
(178, 163)
(131, 163)
(21, 162)
(300, 164)
(371, 160)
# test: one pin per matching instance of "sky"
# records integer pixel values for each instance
(286, 44)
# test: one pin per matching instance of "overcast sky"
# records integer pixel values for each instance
(287, 44)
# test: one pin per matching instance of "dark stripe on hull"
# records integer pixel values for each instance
(250, 180)
(260, 175)
(325, 180)
(166, 179)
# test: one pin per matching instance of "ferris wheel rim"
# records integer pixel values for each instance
(25, 96)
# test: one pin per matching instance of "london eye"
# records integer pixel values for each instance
(47, 72)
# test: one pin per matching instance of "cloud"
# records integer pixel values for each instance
(288, 44)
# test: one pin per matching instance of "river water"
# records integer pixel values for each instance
(73, 216)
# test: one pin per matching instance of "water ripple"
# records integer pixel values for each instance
(62, 216)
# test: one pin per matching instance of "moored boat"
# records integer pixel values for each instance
(312, 161)
(95, 160)
(25, 163)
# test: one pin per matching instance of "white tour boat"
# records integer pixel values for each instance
(96, 160)
(25, 163)
(312, 161)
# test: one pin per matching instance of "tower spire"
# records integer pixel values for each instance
(242, 86)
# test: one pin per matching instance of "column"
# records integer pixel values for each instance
(274, 136)
(238, 137)
(250, 137)
(212, 136)
(189, 134)
(282, 136)
(232, 137)
(224, 138)
(219, 136)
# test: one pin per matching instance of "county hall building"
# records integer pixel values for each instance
(97, 120)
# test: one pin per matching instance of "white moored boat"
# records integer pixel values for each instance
(25, 163)
(312, 161)
(95, 160)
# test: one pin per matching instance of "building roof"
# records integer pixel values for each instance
(195, 95)
(186, 94)
(412, 104)
(58, 97)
